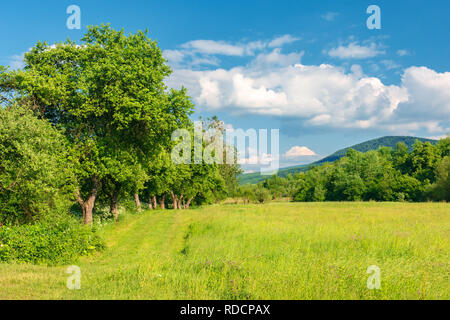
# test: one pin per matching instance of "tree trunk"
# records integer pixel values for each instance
(138, 202)
(179, 203)
(88, 206)
(188, 203)
(174, 200)
(155, 205)
(162, 201)
(150, 204)
(113, 206)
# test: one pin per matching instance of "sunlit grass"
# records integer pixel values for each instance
(272, 251)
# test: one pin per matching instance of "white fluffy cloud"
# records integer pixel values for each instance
(321, 94)
(215, 47)
(299, 151)
(238, 49)
(428, 95)
(205, 52)
(355, 51)
(276, 59)
(278, 84)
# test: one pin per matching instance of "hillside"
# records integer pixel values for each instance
(374, 144)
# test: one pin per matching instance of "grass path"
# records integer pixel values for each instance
(274, 251)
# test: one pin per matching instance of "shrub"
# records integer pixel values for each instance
(59, 241)
(262, 195)
(35, 175)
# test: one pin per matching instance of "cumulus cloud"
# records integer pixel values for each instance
(299, 151)
(355, 51)
(214, 47)
(325, 95)
(276, 58)
(174, 56)
(428, 95)
(205, 52)
(275, 83)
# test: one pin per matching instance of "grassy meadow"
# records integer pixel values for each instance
(270, 251)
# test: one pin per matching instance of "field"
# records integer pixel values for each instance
(271, 251)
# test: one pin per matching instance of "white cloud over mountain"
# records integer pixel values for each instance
(299, 151)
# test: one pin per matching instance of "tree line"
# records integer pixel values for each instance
(91, 124)
(387, 174)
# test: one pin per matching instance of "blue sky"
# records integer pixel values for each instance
(309, 68)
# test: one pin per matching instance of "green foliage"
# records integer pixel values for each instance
(246, 192)
(60, 240)
(35, 177)
(108, 96)
(261, 194)
(375, 144)
(94, 125)
(441, 189)
(382, 175)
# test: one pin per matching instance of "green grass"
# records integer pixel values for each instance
(272, 251)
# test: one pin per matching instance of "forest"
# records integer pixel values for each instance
(84, 134)
(387, 174)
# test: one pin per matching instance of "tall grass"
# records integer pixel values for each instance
(272, 251)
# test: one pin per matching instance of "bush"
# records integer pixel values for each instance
(262, 195)
(35, 175)
(130, 206)
(60, 241)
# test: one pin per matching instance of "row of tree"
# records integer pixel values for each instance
(93, 122)
(387, 174)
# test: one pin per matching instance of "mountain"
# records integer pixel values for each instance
(374, 144)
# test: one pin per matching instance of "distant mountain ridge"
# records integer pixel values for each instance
(374, 144)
